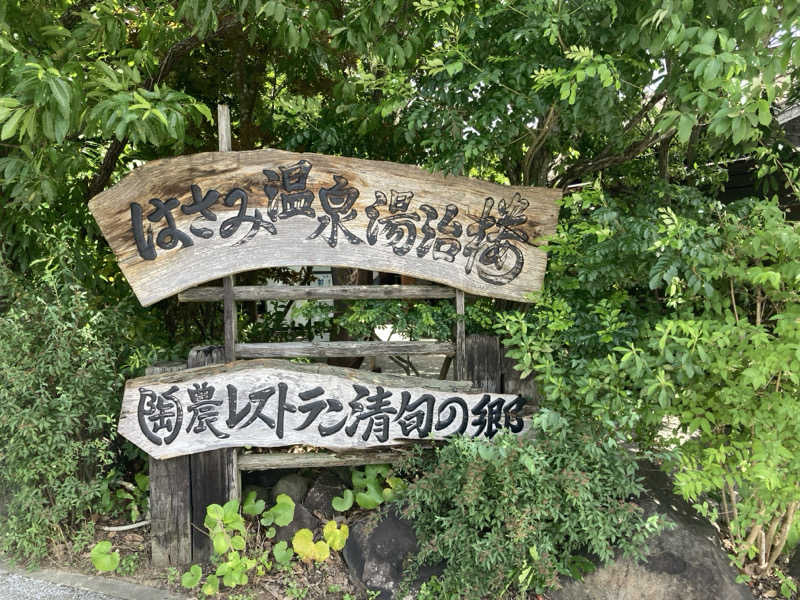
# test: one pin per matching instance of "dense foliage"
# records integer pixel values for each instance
(685, 312)
(61, 362)
(513, 514)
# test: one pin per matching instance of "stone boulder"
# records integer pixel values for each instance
(321, 493)
(376, 550)
(686, 562)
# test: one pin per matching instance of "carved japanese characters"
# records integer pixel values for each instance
(267, 404)
(179, 222)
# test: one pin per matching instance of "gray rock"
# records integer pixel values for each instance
(302, 519)
(686, 562)
(293, 485)
(324, 489)
(376, 550)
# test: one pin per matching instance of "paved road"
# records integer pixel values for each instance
(52, 584)
(18, 587)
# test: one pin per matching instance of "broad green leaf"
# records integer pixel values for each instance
(220, 542)
(10, 126)
(192, 577)
(282, 553)
(685, 125)
(251, 505)
(344, 502)
(103, 558)
(211, 586)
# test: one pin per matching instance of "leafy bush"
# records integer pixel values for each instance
(60, 361)
(514, 513)
(664, 306)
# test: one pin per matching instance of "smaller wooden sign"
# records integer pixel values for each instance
(273, 403)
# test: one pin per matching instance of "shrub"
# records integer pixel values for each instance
(60, 382)
(515, 513)
(664, 306)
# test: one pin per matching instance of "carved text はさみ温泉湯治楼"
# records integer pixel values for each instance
(179, 222)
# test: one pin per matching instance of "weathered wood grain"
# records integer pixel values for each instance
(278, 403)
(460, 353)
(170, 512)
(339, 349)
(484, 362)
(491, 251)
(229, 318)
(340, 292)
(316, 460)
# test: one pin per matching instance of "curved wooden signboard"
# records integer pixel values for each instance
(273, 403)
(179, 222)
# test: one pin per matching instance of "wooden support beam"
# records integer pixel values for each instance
(334, 349)
(461, 338)
(339, 292)
(170, 512)
(313, 460)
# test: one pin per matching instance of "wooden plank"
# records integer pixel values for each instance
(343, 292)
(337, 349)
(271, 403)
(176, 223)
(170, 499)
(170, 512)
(316, 460)
(461, 348)
(484, 362)
(211, 474)
(229, 319)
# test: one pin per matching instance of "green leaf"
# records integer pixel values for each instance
(61, 93)
(283, 512)
(102, 557)
(237, 542)
(220, 542)
(215, 511)
(282, 553)
(142, 481)
(192, 577)
(685, 125)
(454, 67)
(10, 126)
(344, 502)
(204, 110)
(211, 586)
(251, 505)
(764, 114)
(335, 537)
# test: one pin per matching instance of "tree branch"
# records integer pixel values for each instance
(600, 163)
(176, 51)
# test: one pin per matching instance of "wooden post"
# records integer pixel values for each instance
(170, 512)
(170, 502)
(214, 474)
(229, 309)
(461, 338)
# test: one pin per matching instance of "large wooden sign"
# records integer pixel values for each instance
(179, 222)
(272, 403)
